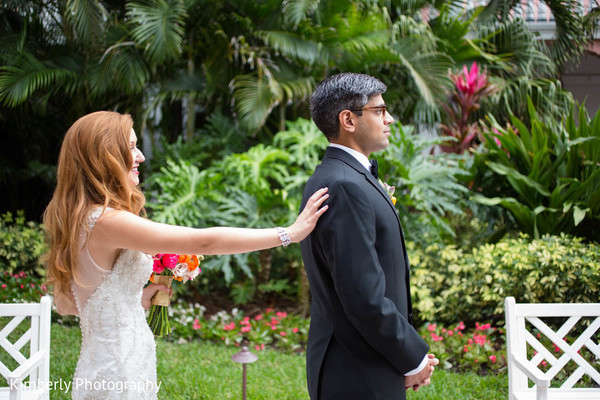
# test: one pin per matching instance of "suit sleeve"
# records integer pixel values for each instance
(347, 233)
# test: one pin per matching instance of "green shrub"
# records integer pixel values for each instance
(22, 245)
(451, 284)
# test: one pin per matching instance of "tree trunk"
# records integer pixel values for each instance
(303, 292)
(191, 97)
(265, 260)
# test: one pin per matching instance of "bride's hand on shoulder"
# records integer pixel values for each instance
(307, 220)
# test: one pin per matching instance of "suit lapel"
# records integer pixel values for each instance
(352, 162)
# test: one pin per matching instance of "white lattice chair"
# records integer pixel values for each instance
(522, 317)
(37, 366)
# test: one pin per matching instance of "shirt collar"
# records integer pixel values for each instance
(360, 157)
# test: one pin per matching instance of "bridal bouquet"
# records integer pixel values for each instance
(166, 268)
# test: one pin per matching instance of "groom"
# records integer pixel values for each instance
(361, 344)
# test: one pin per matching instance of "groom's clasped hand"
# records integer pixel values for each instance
(423, 378)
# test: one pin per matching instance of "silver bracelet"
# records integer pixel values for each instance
(283, 235)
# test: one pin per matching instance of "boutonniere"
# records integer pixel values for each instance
(389, 190)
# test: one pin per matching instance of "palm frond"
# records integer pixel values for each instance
(27, 75)
(498, 10)
(295, 11)
(159, 27)
(88, 18)
(591, 22)
(429, 71)
(570, 40)
(295, 88)
(547, 96)
(517, 50)
(407, 26)
(122, 66)
(292, 45)
(255, 97)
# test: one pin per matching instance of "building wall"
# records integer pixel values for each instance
(584, 82)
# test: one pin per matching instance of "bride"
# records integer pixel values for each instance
(100, 254)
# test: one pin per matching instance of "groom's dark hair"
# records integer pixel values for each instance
(341, 92)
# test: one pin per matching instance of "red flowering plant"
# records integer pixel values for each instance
(166, 268)
(470, 87)
(20, 287)
(269, 329)
(479, 350)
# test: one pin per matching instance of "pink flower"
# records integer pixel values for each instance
(258, 317)
(261, 347)
(484, 327)
(4, 286)
(197, 324)
(43, 287)
(281, 315)
(436, 338)
(295, 330)
(461, 326)
(480, 339)
(22, 287)
(282, 333)
(450, 333)
(32, 285)
(493, 358)
(229, 327)
(431, 327)
(465, 348)
(273, 327)
(471, 81)
(157, 267)
(170, 260)
(245, 329)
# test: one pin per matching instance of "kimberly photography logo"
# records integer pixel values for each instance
(80, 384)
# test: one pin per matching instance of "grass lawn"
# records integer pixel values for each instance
(202, 370)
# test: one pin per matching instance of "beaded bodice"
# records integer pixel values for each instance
(117, 344)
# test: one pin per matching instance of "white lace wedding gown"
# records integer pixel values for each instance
(118, 354)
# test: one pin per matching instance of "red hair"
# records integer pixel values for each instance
(93, 170)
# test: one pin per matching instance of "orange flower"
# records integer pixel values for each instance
(193, 262)
(152, 278)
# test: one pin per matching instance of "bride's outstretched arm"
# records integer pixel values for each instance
(123, 230)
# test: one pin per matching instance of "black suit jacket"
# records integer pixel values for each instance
(360, 342)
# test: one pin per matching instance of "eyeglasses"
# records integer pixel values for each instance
(380, 110)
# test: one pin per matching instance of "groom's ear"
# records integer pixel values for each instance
(347, 121)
